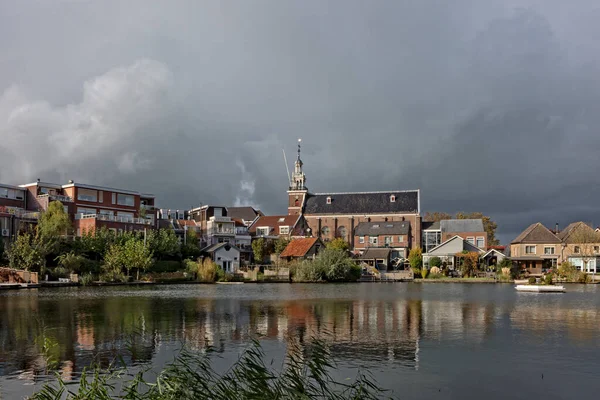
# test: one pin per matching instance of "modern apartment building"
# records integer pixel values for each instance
(215, 225)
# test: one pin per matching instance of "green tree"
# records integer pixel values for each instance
(163, 243)
(70, 261)
(415, 258)
(136, 256)
(26, 254)
(190, 249)
(435, 262)
(280, 245)
(52, 225)
(338, 244)
(259, 249)
(469, 262)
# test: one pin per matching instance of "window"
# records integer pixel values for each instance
(529, 249)
(100, 196)
(284, 230)
(11, 194)
(376, 226)
(125, 200)
(401, 238)
(87, 195)
(577, 250)
(262, 231)
(106, 212)
(388, 240)
(373, 239)
(124, 216)
(549, 250)
(81, 210)
(471, 240)
(480, 242)
(596, 249)
(66, 208)
(342, 232)
(328, 200)
(114, 198)
(393, 198)
(282, 219)
(361, 239)
(325, 231)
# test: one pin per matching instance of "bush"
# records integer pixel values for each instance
(532, 280)
(424, 273)
(191, 266)
(166, 266)
(434, 270)
(113, 276)
(90, 267)
(582, 277)
(86, 279)
(435, 275)
(219, 273)
(207, 271)
(308, 271)
(567, 270)
(435, 262)
(60, 272)
(548, 279)
(505, 271)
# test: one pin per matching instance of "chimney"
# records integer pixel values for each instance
(556, 228)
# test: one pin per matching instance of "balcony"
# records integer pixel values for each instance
(222, 231)
(56, 197)
(19, 212)
(112, 218)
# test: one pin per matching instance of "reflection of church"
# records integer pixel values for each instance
(333, 215)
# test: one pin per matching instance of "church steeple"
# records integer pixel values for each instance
(298, 178)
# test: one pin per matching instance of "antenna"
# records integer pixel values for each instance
(287, 168)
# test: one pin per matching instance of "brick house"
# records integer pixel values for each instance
(333, 215)
(276, 226)
(391, 235)
(12, 211)
(302, 249)
(536, 248)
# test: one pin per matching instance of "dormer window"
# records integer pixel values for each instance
(328, 200)
(393, 198)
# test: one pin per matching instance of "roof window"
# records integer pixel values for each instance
(393, 198)
(328, 200)
(281, 219)
(376, 226)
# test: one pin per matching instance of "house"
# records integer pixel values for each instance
(276, 226)
(336, 215)
(581, 246)
(13, 213)
(536, 248)
(493, 257)
(243, 240)
(225, 255)
(215, 224)
(376, 257)
(246, 214)
(393, 235)
(302, 249)
(435, 233)
(447, 251)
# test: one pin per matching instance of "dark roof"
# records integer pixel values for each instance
(245, 213)
(372, 253)
(566, 234)
(461, 225)
(299, 247)
(433, 225)
(217, 246)
(382, 228)
(536, 233)
(363, 203)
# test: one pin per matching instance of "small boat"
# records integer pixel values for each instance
(540, 288)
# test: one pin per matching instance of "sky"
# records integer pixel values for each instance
(488, 106)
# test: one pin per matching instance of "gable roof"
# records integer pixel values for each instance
(372, 253)
(245, 213)
(406, 202)
(465, 245)
(299, 247)
(382, 228)
(274, 221)
(461, 225)
(217, 246)
(565, 234)
(498, 252)
(536, 233)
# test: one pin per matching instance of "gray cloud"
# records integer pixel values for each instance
(488, 106)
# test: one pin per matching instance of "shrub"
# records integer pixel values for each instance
(70, 261)
(435, 275)
(166, 266)
(415, 258)
(434, 270)
(582, 277)
(548, 279)
(191, 266)
(532, 280)
(424, 273)
(90, 267)
(567, 270)
(207, 271)
(309, 271)
(113, 276)
(86, 279)
(219, 273)
(505, 271)
(60, 272)
(435, 262)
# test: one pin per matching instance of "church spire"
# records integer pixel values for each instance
(298, 178)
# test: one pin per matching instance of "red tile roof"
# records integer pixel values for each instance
(299, 247)
(274, 222)
(184, 222)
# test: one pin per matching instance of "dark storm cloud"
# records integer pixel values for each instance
(489, 106)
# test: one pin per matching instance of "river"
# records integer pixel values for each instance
(423, 341)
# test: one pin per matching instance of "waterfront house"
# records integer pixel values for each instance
(302, 249)
(276, 226)
(492, 257)
(581, 246)
(12, 211)
(436, 233)
(536, 248)
(447, 251)
(215, 224)
(243, 240)
(393, 235)
(225, 255)
(376, 257)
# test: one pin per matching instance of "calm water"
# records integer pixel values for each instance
(424, 341)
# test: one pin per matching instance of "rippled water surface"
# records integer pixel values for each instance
(423, 341)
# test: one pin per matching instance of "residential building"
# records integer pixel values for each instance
(13, 213)
(378, 257)
(333, 215)
(493, 257)
(392, 235)
(581, 246)
(245, 214)
(536, 248)
(243, 240)
(224, 254)
(276, 226)
(436, 233)
(216, 226)
(447, 251)
(302, 249)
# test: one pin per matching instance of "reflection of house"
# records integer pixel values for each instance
(447, 251)
(276, 226)
(302, 249)
(392, 235)
(225, 255)
(435, 233)
(536, 248)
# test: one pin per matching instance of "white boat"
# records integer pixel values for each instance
(540, 288)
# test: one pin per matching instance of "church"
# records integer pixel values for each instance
(390, 219)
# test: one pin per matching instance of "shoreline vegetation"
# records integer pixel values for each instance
(306, 373)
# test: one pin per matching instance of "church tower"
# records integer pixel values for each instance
(297, 190)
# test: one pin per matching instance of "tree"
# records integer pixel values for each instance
(70, 261)
(130, 255)
(435, 262)
(338, 244)
(415, 258)
(163, 243)
(259, 247)
(190, 249)
(52, 224)
(436, 216)
(280, 245)
(25, 254)
(469, 262)
(585, 240)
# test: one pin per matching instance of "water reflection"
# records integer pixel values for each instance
(76, 327)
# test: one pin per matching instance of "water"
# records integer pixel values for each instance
(424, 341)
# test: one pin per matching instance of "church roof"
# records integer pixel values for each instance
(405, 202)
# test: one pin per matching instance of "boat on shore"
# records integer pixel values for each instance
(540, 288)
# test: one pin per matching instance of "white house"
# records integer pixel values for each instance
(447, 251)
(225, 255)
